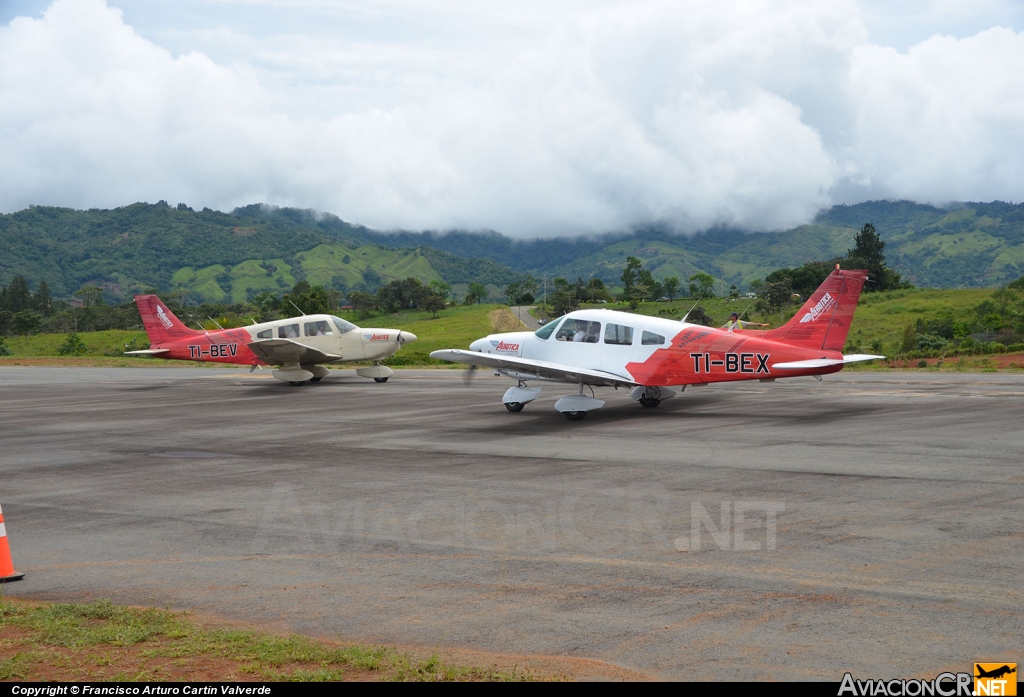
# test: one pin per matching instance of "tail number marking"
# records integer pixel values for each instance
(732, 363)
(215, 351)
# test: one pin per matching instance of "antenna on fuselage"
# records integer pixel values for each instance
(214, 321)
(297, 308)
(691, 309)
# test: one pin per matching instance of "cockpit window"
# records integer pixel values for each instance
(545, 331)
(318, 328)
(651, 339)
(618, 334)
(343, 326)
(579, 331)
(288, 331)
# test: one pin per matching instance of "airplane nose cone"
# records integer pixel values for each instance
(480, 346)
(406, 337)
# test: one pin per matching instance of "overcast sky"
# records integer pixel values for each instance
(531, 118)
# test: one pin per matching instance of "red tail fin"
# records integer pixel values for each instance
(824, 320)
(160, 323)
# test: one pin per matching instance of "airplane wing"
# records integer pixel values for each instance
(280, 351)
(824, 362)
(146, 352)
(526, 368)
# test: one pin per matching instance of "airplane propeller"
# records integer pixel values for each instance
(467, 378)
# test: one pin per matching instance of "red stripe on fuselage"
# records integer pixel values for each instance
(225, 346)
(702, 354)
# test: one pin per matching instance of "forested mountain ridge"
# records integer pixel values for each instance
(232, 256)
(968, 245)
(222, 257)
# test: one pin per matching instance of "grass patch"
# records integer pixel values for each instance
(104, 641)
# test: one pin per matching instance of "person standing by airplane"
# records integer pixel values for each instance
(736, 323)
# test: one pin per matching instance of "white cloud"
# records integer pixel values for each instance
(589, 118)
(944, 121)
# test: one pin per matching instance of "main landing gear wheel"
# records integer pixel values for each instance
(575, 415)
(315, 379)
(649, 402)
(295, 383)
(514, 406)
(380, 379)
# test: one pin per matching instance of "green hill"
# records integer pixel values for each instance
(220, 257)
(217, 257)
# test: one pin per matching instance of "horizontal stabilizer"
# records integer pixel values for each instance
(146, 352)
(824, 362)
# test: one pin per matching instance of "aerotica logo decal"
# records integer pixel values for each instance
(162, 316)
(823, 306)
(376, 337)
(504, 346)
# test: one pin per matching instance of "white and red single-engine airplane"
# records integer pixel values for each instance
(657, 357)
(297, 345)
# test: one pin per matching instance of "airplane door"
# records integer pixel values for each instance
(617, 348)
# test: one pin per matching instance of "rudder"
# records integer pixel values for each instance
(824, 320)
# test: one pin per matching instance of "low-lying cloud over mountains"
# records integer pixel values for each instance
(530, 120)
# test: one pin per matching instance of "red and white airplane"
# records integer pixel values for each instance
(297, 345)
(657, 357)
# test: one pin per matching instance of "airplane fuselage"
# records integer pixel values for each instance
(653, 351)
(326, 333)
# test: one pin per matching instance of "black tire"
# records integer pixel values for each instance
(649, 402)
(514, 406)
(295, 383)
(380, 379)
(575, 415)
(315, 379)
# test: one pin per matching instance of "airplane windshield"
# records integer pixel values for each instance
(343, 326)
(545, 331)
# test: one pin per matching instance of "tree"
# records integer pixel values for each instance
(41, 302)
(596, 290)
(434, 303)
(521, 291)
(563, 299)
(72, 346)
(702, 285)
(653, 288)
(26, 322)
(671, 286)
(312, 300)
(362, 301)
(17, 296)
(90, 296)
(778, 294)
(440, 288)
(630, 276)
(868, 253)
(399, 295)
(477, 293)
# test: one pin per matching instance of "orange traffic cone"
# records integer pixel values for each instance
(7, 572)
